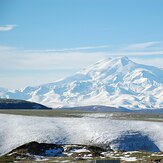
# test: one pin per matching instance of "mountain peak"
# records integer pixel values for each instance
(117, 60)
(112, 64)
(125, 60)
(122, 58)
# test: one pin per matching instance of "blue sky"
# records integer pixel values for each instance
(44, 40)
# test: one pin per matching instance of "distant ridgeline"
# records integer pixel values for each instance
(20, 104)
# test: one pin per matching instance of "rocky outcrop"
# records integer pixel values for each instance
(32, 150)
(45, 152)
(41, 149)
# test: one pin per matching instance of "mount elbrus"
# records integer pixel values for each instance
(117, 82)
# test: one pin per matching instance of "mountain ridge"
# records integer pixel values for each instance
(115, 82)
(20, 104)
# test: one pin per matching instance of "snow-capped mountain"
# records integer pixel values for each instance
(117, 82)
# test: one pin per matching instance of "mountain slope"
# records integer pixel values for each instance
(116, 82)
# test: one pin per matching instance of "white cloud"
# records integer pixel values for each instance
(43, 66)
(157, 62)
(7, 28)
(142, 46)
(72, 49)
(20, 68)
(139, 53)
(44, 60)
(6, 48)
(63, 58)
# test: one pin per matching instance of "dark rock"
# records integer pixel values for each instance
(42, 149)
(96, 151)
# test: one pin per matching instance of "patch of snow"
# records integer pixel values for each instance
(79, 150)
(40, 158)
(129, 158)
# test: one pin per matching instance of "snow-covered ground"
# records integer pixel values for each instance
(16, 130)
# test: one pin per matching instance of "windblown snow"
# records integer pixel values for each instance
(16, 130)
(117, 82)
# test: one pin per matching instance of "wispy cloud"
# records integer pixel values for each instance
(7, 28)
(138, 53)
(67, 58)
(46, 60)
(19, 66)
(73, 49)
(142, 46)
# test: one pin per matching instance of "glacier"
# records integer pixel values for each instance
(116, 82)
